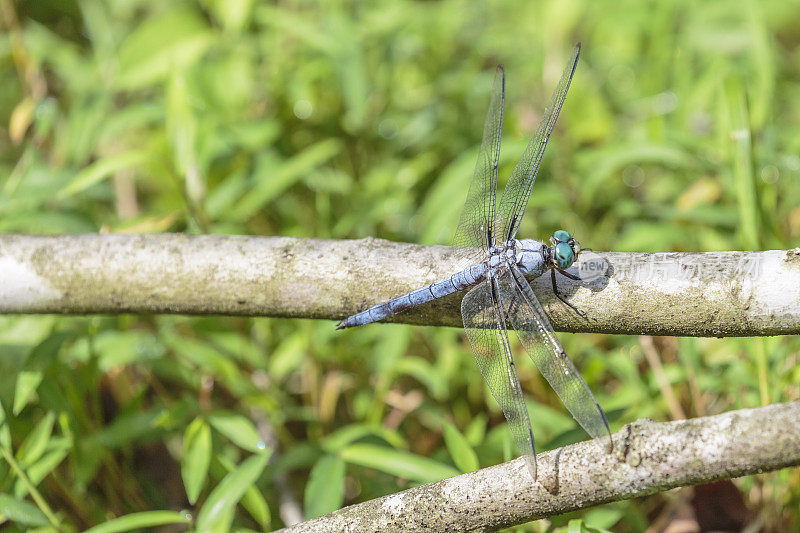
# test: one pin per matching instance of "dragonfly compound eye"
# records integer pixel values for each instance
(576, 247)
(561, 236)
(564, 255)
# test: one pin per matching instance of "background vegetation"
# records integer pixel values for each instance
(350, 120)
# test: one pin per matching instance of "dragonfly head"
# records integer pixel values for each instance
(565, 249)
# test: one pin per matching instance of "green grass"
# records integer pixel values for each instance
(680, 133)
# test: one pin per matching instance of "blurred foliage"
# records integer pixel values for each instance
(343, 120)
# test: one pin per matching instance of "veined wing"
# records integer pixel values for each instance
(536, 334)
(517, 191)
(482, 310)
(478, 216)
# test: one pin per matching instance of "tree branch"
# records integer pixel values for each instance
(648, 457)
(699, 294)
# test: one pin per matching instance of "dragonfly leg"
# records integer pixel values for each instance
(558, 295)
(570, 276)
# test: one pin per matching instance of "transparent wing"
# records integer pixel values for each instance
(517, 191)
(478, 215)
(484, 322)
(536, 334)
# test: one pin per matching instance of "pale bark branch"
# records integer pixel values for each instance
(648, 457)
(692, 294)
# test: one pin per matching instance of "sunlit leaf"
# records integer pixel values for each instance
(462, 453)
(576, 526)
(238, 429)
(741, 158)
(397, 463)
(118, 348)
(21, 512)
(252, 500)
(173, 39)
(216, 512)
(354, 432)
(325, 488)
(233, 14)
(273, 177)
(195, 458)
(134, 521)
(102, 169)
(288, 355)
(21, 118)
(603, 518)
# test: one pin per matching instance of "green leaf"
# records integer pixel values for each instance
(222, 199)
(40, 469)
(460, 450)
(35, 443)
(476, 430)
(741, 153)
(119, 348)
(252, 500)
(438, 209)
(25, 387)
(232, 14)
(21, 512)
(5, 432)
(98, 28)
(257, 506)
(603, 518)
(325, 489)
(397, 463)
(100, 170)
(172, 40)
(238, 429)
(39, 360)
(26, 330)
(421, 370)
(208, 358)
(195, 458)
(576, 526)
(126, 429)
(353, 432)
(288, 355)
(273, 177)
(217, 510)
(142, 520)
(181, 125)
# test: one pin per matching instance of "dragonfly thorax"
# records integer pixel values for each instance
(502, 253)
(530, 256)
(527, 254)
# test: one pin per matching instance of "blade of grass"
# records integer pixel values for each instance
(741, 154)
(32, 490)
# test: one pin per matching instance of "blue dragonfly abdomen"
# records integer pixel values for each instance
(529, 257)
(458, 281)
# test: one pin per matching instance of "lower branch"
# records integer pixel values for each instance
(648, 457)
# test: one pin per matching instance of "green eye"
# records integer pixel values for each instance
(561, 236)
(564, 255)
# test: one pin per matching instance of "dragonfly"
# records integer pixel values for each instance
(498, 293)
